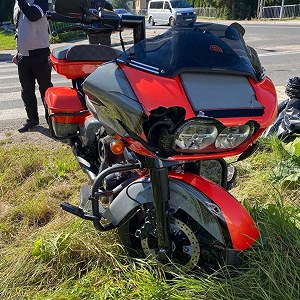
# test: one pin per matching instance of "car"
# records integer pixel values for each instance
(122, 11)
(171, 12)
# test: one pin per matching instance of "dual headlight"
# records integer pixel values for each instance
(202, 134)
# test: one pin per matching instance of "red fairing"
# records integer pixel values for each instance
(266, 95)
(242, 229)
(154, 91)
(74, 69)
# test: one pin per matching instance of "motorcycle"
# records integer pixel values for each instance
(145, 122)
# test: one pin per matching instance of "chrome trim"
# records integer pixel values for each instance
(144, 65)
(142, 68)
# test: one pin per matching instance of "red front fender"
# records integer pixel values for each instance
(242, 229)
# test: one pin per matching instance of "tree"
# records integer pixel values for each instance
(6, 10)
(120, 4)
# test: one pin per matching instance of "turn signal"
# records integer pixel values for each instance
(117, 147)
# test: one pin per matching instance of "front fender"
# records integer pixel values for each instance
(206, 202)
(242, 228)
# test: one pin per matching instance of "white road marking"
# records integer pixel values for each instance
(279, 53)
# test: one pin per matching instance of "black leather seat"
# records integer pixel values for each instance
(86, 53)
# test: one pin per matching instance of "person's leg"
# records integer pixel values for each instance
(105, 39)
(100, 38)
(93, 39)
(41, 67)
(27, 81)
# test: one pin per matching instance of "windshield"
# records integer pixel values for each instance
(180, 4)
(206, 47)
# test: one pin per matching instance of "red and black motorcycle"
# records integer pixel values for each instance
(145, 124)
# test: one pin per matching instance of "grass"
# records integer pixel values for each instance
(49, 254)
(7, 40)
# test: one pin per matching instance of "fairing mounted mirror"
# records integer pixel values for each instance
(72, 8)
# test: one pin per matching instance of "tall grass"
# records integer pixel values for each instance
(49, 254)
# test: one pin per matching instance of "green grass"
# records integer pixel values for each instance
(7, 41)
(49, 254)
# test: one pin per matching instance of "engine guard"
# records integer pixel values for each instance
(206, 202)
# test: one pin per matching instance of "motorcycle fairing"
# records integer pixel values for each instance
(205, 46)
(169, 92)
(114, 101)
(221, 95)
(205, 201)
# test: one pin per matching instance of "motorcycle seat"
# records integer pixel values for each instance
(86, 53)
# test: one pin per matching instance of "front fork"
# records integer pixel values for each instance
(161, 194)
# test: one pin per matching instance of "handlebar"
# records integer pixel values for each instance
(55, 17)
(106, 21)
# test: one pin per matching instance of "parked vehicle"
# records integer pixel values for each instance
(143, 124)
(170, 12)
(122, 11)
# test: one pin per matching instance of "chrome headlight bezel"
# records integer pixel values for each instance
(206, 132)
(233, 136)
(210, 136)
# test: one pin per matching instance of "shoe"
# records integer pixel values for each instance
(29, 124)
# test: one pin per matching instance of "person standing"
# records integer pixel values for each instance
(32, 58)
(102, 38)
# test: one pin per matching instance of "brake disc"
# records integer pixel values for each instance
(185, 248)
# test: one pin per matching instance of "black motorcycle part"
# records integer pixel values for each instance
(212, 169)
(248, 152)
(160, 189)
(115, 179)
(77, 211)
(105, 152)
(84, 164)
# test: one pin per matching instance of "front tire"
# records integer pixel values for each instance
(172, 22)
(151, 21)
(191, 245)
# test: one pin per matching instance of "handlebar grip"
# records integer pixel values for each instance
(55, 17)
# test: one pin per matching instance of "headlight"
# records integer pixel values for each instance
(231, 137)
(178, 14)
(195, 135)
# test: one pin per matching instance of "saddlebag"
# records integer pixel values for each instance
(65, 112)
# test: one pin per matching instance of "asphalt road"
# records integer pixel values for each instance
(277, 43)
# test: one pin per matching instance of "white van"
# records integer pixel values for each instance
(170, 12)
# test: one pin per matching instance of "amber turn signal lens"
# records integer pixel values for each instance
(117, 147)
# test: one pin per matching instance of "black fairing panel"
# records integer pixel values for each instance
(114, 101)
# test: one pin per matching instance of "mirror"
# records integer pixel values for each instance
(239, 28)
(71, 8)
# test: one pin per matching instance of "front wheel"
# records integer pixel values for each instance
(191, 245)
(151, 21)
(172, 22)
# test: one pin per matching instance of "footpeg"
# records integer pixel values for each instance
(77, 211)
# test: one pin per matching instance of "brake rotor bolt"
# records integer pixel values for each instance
(185, 249)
